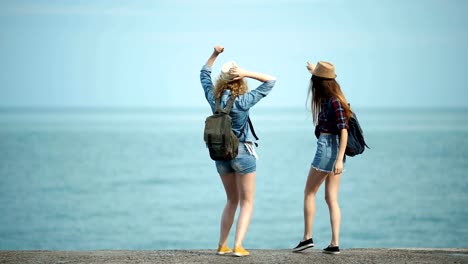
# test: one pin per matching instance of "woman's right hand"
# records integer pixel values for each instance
(218, 49)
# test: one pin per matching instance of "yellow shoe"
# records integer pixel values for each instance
(223, 250)
(240, 252)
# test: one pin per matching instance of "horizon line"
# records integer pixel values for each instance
(154, 108)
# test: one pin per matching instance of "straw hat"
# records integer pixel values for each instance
(225, 75)
(323, 69)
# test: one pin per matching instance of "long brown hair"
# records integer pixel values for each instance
(237, 87)
(323, 89)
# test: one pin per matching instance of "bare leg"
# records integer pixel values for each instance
(314, 180)
(246, 187)
(232, 195)
(332, 185)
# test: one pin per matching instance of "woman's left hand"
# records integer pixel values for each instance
(239, 73)
(338, 167)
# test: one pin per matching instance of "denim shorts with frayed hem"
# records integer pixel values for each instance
(244, 163)
(327, 152)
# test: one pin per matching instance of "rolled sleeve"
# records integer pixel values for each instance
(340, 114)
(253, 97)
(207, 84)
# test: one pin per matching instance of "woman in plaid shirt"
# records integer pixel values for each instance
(331, 113)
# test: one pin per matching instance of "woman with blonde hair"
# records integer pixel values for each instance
(238, 174)
(331, 113)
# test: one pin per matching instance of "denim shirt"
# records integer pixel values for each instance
(240, 109)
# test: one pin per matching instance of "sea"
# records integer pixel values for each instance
(142, 179)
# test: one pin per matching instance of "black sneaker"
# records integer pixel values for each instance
(304, 245)
(331, 250)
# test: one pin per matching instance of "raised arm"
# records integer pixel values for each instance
(218, 49)
(205, 74)
(241, 73)
(253, 97)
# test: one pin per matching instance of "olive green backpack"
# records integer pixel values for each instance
(222, 143)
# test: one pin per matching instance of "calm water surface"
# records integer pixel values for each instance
(142, 179)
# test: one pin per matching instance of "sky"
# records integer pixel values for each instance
(145, 53)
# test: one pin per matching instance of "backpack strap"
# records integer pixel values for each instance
(251, 129)
(229, 104)
(228, 107)
(217, 105)
(227, 110)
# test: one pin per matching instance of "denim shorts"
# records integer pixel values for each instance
(327, 152)
(244, 163)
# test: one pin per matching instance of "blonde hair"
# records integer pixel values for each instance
(237, 87)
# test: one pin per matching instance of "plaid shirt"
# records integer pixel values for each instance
(340, 121)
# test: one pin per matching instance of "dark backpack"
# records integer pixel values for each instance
(221, 141)
(356, 143)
